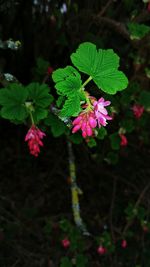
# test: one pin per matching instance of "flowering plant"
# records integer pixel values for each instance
(20, 103)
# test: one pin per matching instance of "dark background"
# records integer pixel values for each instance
(33, 191)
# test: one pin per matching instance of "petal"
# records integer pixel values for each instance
(92, 122)
(77, 120)
(76, 128)
(84, 134)
(89, 131)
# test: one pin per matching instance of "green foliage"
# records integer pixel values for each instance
(68, 83)
(138, 31)
(131, 212)
(107, 241)
(39, 94)
(60, 101)
(62, 74)
(144, 99)
(76, 138)
(101, 133)
(112, 158)
(81, 261)
(71, 107)
(48, 227)
(128, 125)
(65, 262)
(57, 126)
(115, 141)
(40, 69)
(92, 143)
(101, 65)
(12, 100)
(18, 101)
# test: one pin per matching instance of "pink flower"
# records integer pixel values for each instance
(124, 243)
(124, 140)
(33, 137)
(145, 228)
(101, 112)
(89, 119)
(148, 7)
(137, 110)
(50, 70)
(65, 243)
(86, 121)
(101, 250)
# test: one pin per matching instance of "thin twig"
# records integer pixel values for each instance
(117, 26)
(101, 13)
(129, 223)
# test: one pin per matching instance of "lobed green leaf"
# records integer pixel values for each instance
(101, 65)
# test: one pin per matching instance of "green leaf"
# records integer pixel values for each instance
(138, 31)
(47, 228)
(60, 101)
(69, 87)
(112, 158)
(81, 261)
(41, 66)
(144, 99)
(102, 132)
(61, 74)
(65, 262)
(57, 126)
(14, 112)
(128, 124)
(92, 143)
(68, 83)
(71, 106)
(39, 94)
(39, 114)
(65, 225)
(76, 138)
(102, 66)
(13, 101)
(115, 141)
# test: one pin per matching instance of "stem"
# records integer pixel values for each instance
(75, 191)
(86, 82)
(31, 117)
(85, 93)
(29, 108)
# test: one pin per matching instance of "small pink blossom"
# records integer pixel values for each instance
(137, 110)
(145, 228)
(86, 121)
(50, 70)
(101, 112)
(65, 243)
(124, 243)
(33, 137)
(124, 140)
(101, 250)
(148, 7)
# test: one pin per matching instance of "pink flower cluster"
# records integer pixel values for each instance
(124, 243)
(88, 120)
(124, 140)
(33, 137)
(137, 110)
(101, 250)
(50, 70)
(65, 243)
